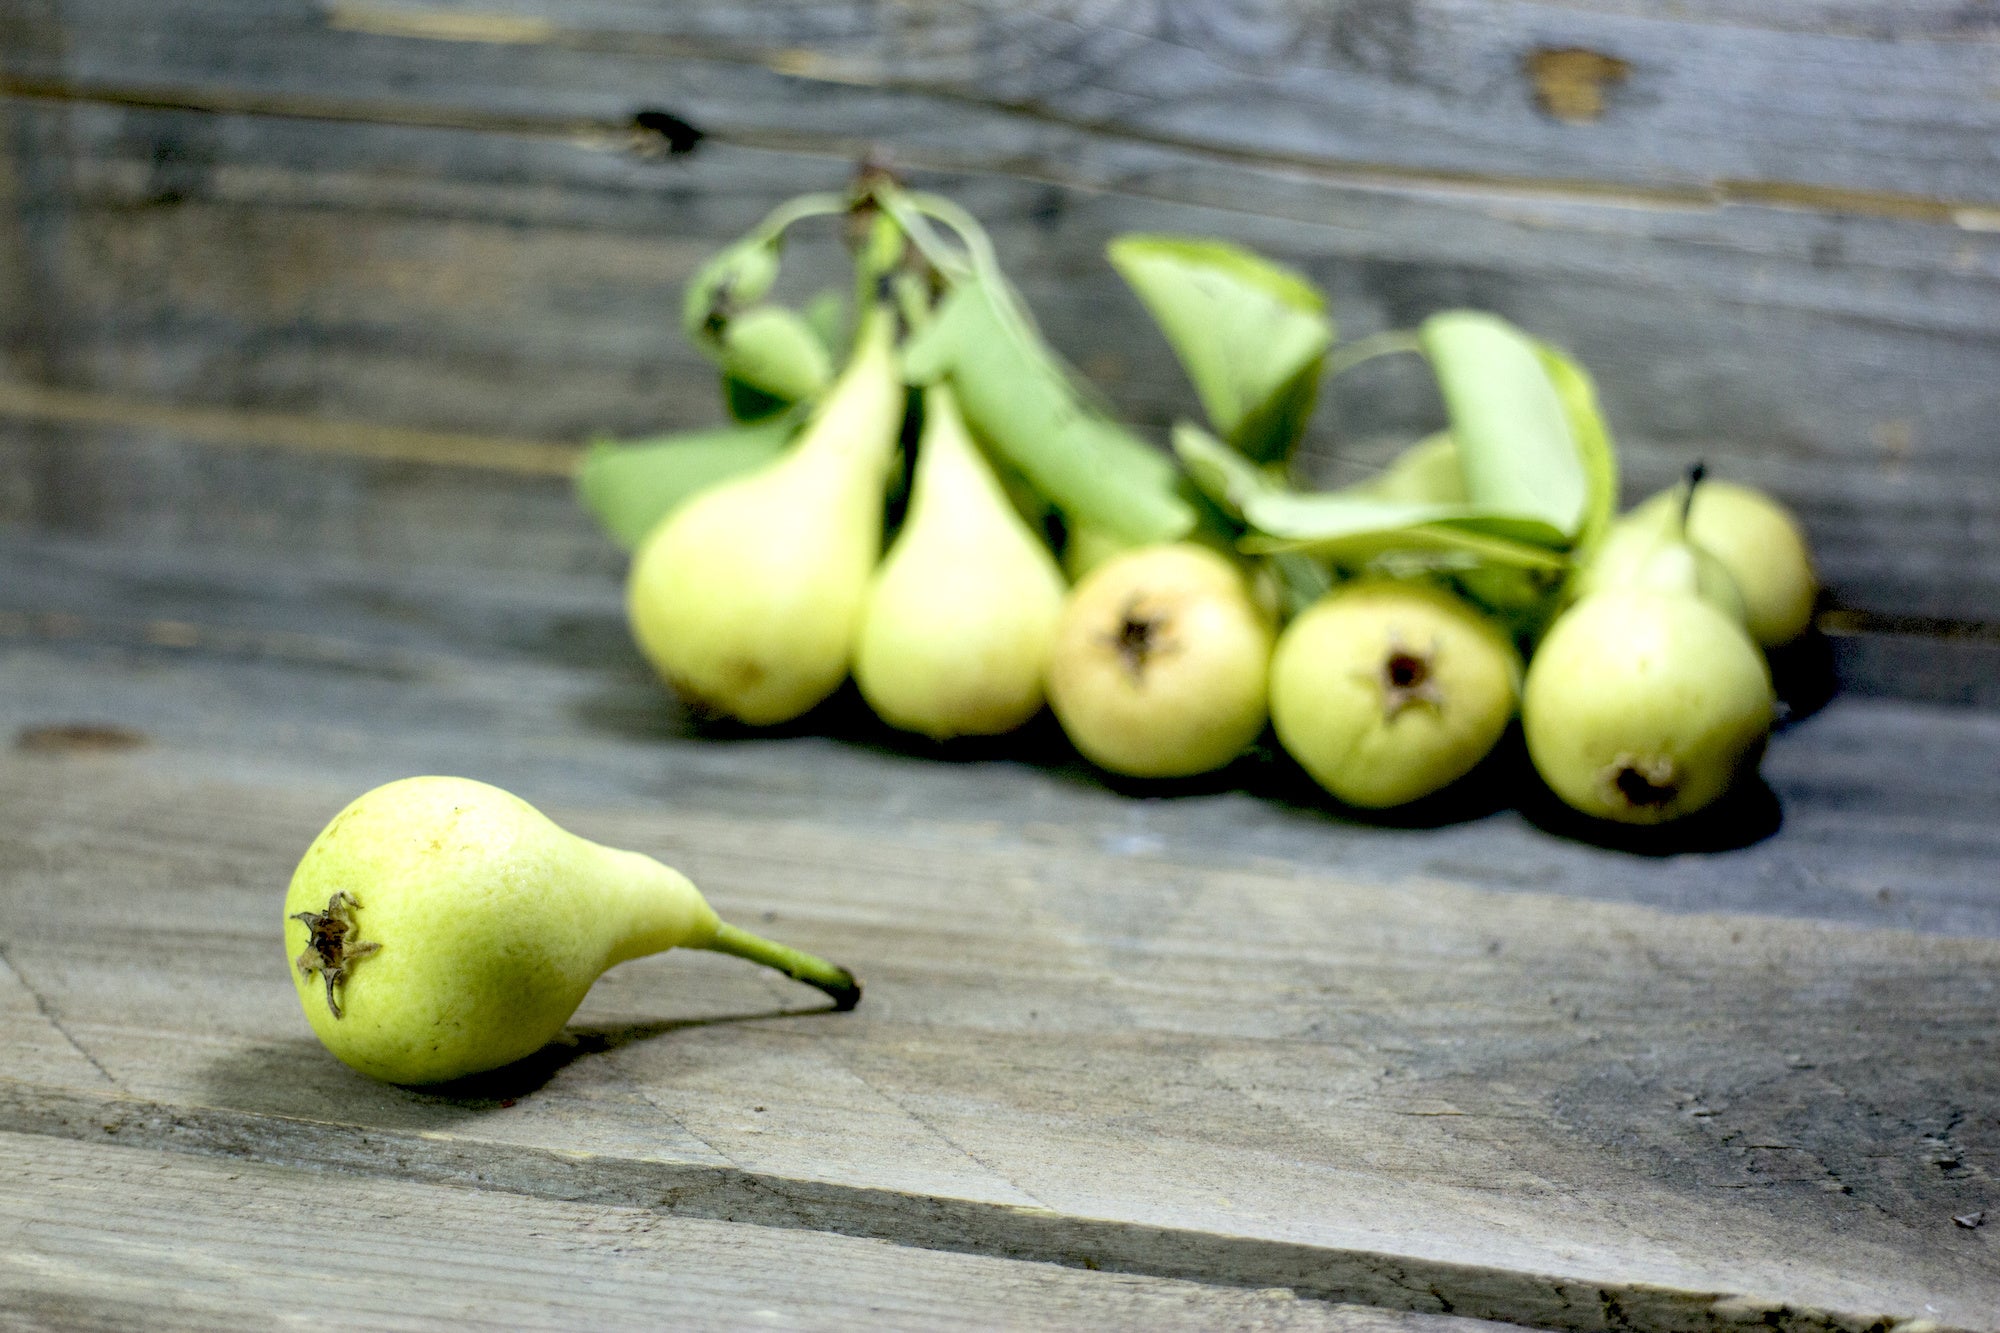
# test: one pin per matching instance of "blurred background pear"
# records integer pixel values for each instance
(1388, 691)
(1161, 662)
(956, 636)
(746, 599)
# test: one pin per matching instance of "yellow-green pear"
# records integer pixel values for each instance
(1161, 662)
(1762, 546)
(956, 634)
(1654, 547)
(1643, 705)
(1388, 691)
(746, 599)
(439, 927)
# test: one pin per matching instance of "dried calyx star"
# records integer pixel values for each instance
(330, 947)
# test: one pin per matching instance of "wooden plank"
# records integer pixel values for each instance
(1416, 1094)
(403, 279)
(1878, 814)
(1890, 110)
(105, 1237)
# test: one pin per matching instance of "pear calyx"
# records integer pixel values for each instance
(1408, 678)
(329, 951)
(1142, 636)
(1643, 782)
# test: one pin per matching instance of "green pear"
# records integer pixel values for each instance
(956, 635)
(1643, 705)
(440, 927)
(1161, 662)
(1653, 547)
(1388, 691)
(1762, 546)
(772, 349)
(746, 598)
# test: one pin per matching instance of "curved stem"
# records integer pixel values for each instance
(1387, 343)
(797, 964)
(798, 210)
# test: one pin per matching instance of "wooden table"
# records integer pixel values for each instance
(306, 308)
(1207, 1058)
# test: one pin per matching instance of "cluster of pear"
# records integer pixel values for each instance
(757, 597)
(758, 592)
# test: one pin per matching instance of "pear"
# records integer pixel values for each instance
(746, 598)
(440, 927)
(1653, 547)
(1645, 704)
(1388, 691)
(956, 635)
(1761, 545)
(1161, 662)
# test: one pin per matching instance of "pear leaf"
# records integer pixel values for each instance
(629, 487)
(1251, 335)
(1598, 455)
(1349, 527)
(1023, 405)
(1516, 443)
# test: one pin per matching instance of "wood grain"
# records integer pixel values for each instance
(412, 264)
(1747, 96)
(109, 1237)
(1421, 1095)
(1877, 814)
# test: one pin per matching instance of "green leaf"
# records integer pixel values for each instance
(1598, 455)
(1252, 336)
(1515, 440)
(629, 487)
(1023, 405)
(1352, 528)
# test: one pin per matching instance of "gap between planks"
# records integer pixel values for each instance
(1403, 1283)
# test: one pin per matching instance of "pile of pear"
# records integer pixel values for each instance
(1647, 699)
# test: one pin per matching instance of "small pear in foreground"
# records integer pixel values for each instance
(1642, 705)
(956, 635)
(746, 598)
(1762, 546)
(1161, 662)
(440, 927)
(1388, 691)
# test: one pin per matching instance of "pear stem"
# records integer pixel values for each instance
(797, 964)
(1694, 479)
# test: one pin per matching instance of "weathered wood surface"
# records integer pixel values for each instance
(1883, 812)
(1764, 99)
(1207, 1037)
(107, 1237)
(433, 217)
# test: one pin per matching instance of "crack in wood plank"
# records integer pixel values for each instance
(1967, 215)
(53, 1019)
